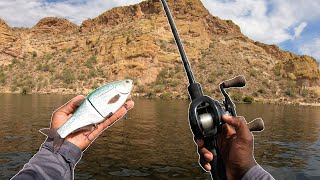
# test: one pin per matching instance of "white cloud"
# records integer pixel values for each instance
(268, 21)
(311, 48)
(298, 30)
(21, 13)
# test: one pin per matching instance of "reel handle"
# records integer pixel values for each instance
(238, 81)
(256, 125)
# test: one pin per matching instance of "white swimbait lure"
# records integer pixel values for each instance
(99, 105)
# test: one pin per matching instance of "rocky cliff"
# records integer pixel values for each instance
(57, 56)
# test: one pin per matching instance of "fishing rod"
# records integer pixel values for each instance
(205, 113)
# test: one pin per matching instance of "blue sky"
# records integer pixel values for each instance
(293, 25)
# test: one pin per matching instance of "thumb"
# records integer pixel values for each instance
(70, 106)
(240, 125)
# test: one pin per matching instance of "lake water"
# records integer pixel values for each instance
(155, 141)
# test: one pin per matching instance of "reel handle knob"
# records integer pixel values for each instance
(238, 81)
(256, 125)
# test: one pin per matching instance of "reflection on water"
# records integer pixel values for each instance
(155, 141)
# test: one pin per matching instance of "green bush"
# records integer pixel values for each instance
(25, 90)
(48, 57)
(92, 73)
(261, 91)
(67, 76)
(2, 77)
(212, 78)
(253, 73)
(162, 73)
(165, 95)
(34, 54)
(211, 45)
(237, 97)
(290, 92)
(62, 59)
(248, 99)
(95, 85)
(91, 61)
(81, 77)
(277, 70)
(68, 51)
(13, 88)
(304, 92)
(14, 61)
(140, 89)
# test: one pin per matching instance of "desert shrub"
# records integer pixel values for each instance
(212, 78)
(162, 73)
(48, 57)
(248, 99)
(166, 95)
(95, 85)
(158, 88)
(91, 61)
(253, 73)
(261, 91)
(92, 73)
(304, 92)
(62, 59)
(290, 92)
(277, 70)
(2, 77)
(68, 51)
(140, 89)
(25, 90)
(14, 61)
(174, 83)
(45, 67)
(13, 88)
(220, 72)
(67, 76)
(81, 77)
(34, 54)
(237, 96)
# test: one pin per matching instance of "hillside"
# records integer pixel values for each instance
(57, 56)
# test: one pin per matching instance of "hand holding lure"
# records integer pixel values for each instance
(98, 106)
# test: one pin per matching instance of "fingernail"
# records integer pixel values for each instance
(126, 106)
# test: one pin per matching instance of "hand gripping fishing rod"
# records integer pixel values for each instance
(205, 113)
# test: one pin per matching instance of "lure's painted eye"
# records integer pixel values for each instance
(114, 99)
(127, 81)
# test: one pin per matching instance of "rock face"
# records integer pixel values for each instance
(56, 56)
(54, 25)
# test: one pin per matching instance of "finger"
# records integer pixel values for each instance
(102, 126)
(199, 142)
(117, 115)
(206, 154)
(205, 165)
(70, 106)
(229, 131)
(240, 126)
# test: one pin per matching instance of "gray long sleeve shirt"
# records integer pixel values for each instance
(257, 172)
(48, 165)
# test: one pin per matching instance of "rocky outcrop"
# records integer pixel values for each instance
(54, 25)
(136, 42)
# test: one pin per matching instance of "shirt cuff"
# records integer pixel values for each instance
(70, 152)
(257, 172)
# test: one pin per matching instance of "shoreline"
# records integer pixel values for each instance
(137, 95)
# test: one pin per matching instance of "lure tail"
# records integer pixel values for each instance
(57, 140)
